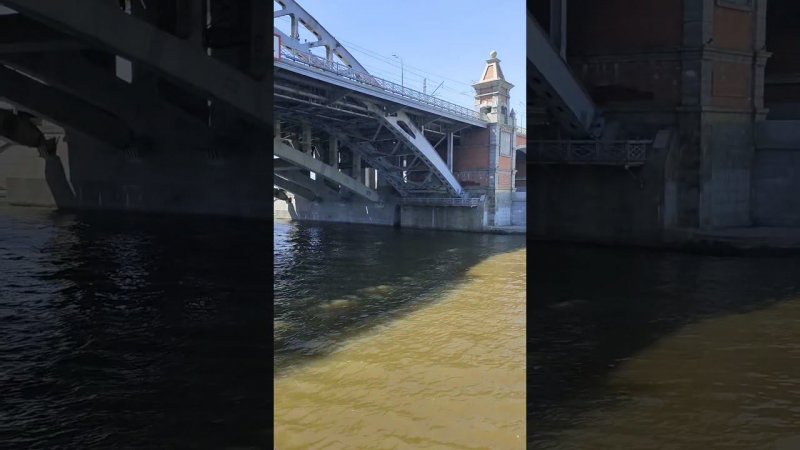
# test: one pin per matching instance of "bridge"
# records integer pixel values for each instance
(678, 120)
(345, 137)
(171, 106)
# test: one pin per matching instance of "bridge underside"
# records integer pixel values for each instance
(163, 107)
(403, 148)
(173, 130)
(714, 87)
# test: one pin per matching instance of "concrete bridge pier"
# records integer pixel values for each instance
(703, 96)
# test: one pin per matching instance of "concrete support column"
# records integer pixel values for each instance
(513, 151)
(760, 57)
(558, 26)
(358, 174)
(514, 167)
(306, 138)
(450, 150)
(369, 175)
(138, 74)
(333, 152)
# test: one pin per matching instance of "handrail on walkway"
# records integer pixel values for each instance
(443, 201)
(341, 70)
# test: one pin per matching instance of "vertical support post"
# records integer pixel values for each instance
(513, 151)
(305, 144)
(368, 177)
(760, 58)
(450, 150)
(277, 130)
(358, 174)
(333, 152)
(306, 137)
(258, 38)
(558, 26)
(295, 31)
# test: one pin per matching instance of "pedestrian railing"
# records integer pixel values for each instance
(443, 201)
(627, 153)
(319, 63)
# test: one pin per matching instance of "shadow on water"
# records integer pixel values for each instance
(590, 309)
(142, 330)
(154, 330)
(333, 281)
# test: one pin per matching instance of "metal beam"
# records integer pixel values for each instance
(450, 151)
(319, 189)
(371, 93)
(294, 188)
(285, 152)
(63, 109)
(402, 127)
(551, 78)
(104, 24)
(139, 107)
(297, 12)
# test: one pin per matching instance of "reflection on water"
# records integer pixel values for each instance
(392, 338)
(632, 349)
(133, 332)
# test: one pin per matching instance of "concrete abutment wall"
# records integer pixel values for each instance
(85, 174)
(711, 71)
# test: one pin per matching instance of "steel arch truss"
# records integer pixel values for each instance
(300, 16)
(412, 170)
(383, 135)
(305, 161)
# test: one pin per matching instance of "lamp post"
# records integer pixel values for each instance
(402, 71)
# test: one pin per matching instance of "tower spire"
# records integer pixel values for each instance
(492, 92)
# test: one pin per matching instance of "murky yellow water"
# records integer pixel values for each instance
(731, 382)
(450, 375)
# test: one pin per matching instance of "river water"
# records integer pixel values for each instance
(388, 338)
(633, 349)
(153, 332)
(133, 332)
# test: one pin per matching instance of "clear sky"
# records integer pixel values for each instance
(441, 40)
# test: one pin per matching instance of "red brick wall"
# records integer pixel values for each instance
(733, 29)
(623, 26)
(504, 163)
(731, 82)
(731, 85)
(471, 157)
(473, 153)
(626, 74)
(504, 181)
(651, 82)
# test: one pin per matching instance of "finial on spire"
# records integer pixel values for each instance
(493, 54)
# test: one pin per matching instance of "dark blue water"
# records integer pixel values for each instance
(647, 349)
(134, 332)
